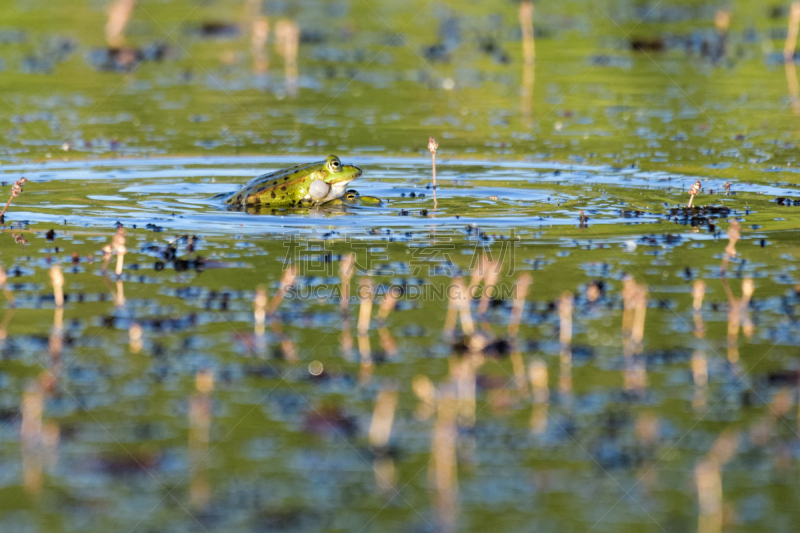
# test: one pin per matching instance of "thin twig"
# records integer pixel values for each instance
(433, 147)
(16, 190)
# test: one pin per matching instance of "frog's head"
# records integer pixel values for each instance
(337, 174)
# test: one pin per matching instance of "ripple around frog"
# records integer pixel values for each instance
(175, 194)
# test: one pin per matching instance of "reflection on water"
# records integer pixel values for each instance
(178, 195)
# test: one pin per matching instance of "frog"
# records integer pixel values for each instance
(353, 198)
(310, 184)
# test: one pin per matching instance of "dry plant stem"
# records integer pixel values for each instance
(365, 312)
(635, 306)
(541, 396)
(462, 372)
(492, 273)
(698, 293)
(31, 438)
(629, 288)
(347, 338)
(730, 251)
(794, 87)
(519, 373)
(700, 369)
(722, 21)
(529, 57)
(791, 37)
(260, 310)
(526, 24)
(287, 346)
(346, 272)
(118, 246)
(709, 482)
(537, 372)
(4, 284)
(426, 393)
(200, 413)
(380, 428)
(287, 41)
(57, 280)
(8, 203)
(458, 306)
(734, 322)
(463, 306)
(32, 407)
(120, 263)
(520, 294)
(479, 272)
(443, 465)
(16, 190)
(565, 308)
(119, 299)
(106, 257)
(118, 16)
(56, 344)
(366, 367)
(4, 326)
(747, 292)
(694, 191)
(433, 147)
(387, 342)
(700, 377)
(387, 306)
(287, 281)
(135, 334)
(637, 333)
(450, 320)
(260, 35)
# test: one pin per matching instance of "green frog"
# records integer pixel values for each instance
(302, 185)
(353, 198)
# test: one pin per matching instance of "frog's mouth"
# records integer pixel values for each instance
(338, 189)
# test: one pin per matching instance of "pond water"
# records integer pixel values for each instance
(167, 393)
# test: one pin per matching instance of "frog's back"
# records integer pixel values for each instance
(272, 181)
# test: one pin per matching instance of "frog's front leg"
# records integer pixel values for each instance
(319, 190)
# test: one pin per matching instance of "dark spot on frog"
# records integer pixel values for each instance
(51, 235)
(287, 177)
(274, 182)
(283, 187)
(273, 194)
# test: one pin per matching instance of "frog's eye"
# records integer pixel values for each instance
(335, 165)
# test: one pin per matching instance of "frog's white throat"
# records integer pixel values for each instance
(337, 191)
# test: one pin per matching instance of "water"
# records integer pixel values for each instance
(133, 437)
